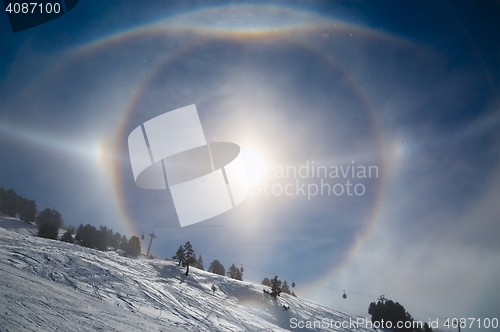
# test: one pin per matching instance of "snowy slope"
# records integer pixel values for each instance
(17, 226)
(52, 285)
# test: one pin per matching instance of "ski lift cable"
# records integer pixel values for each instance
(368, 296)
(423, 311)
(303, 281)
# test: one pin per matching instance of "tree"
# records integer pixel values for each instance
(372, 310)
(239, 274)
(87, 236)
(9, 202)
(134, 246)
(21, 203)
(123, 243)
(193, 260)
(67, 237)
(101, 238)
(217, 268)
(235, 273)
(179, 256)
(188, 255)
(285, 288)
(79, 233)
(2, 195)
(109, 238)
(275, 287)
(29, 212)
(199, 263)
(394, 312)
(49, 222)
(266, 282)
(115, 243)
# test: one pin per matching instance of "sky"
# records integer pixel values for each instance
(369, 133)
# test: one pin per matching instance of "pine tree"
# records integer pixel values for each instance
(101, 240)
(235, 273)
(199, 263)
(134, 246)
(2, 195)
(9, 202)
(188, 255)
(79, 233)
(49, 222)
(115, 243)
(123, 243)
(372, 310)
(231, 272)
(67, 237)
(239, 274)
(109, 238)
(29, 212)
(179, 256)
(21, 203)
(193, 260)
(87, 236)
(217, 268)
(275, 287)
(285, 288)
(393, 312)
(71, 228)
(266, 282)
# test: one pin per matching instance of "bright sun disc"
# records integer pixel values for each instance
(255, 164)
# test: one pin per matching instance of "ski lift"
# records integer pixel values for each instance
(142, 236)
(241, 269)
(344, 296)
(293, 284)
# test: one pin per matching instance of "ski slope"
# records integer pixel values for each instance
(49, 285)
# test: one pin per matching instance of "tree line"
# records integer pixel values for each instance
(105, 239)
(389, 311)
(49, 222)
(277, 287)
(185, 256)
(17, 206)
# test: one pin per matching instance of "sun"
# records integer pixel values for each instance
(255, 164)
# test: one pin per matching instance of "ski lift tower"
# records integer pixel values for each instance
(153, 236)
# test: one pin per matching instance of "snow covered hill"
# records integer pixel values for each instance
(49, 285)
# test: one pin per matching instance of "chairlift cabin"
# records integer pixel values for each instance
(293, 284)
(344, 296)
(142, 236)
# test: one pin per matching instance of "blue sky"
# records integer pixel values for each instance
(412, 89)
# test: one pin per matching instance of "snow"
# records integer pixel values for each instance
(17, 226)
(49, 285)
